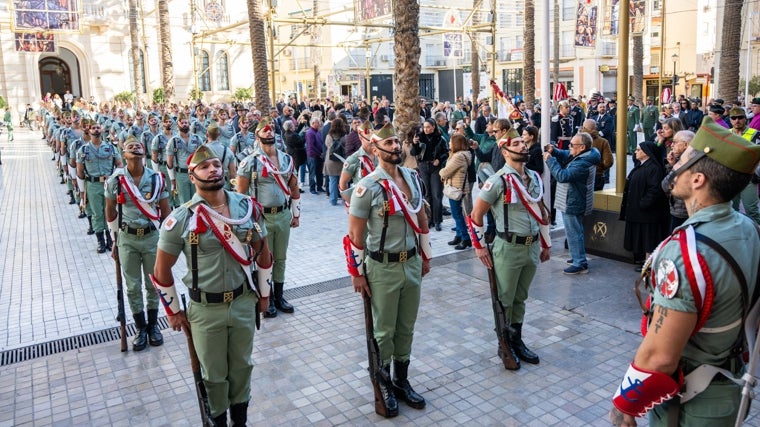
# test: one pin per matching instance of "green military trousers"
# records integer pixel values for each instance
(185, 188)
(515, 266)
(96, 202)
(223, 338)
(717, 406)
(395, 288)
(278, 235)
(137, 255)
(173, 200)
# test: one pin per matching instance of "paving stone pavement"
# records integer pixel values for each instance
(310, 367)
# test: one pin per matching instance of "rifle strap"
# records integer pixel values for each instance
(193, 238)
(386, 214)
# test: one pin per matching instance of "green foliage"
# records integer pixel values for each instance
(243, 94)
(158, 95)
(754, 85)
(3, 102)
(125, 96)
(196, 94)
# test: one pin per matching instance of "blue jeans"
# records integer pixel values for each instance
(333, 189)
(574, 233)
(458, 216)
(302, 173)
(315, 173)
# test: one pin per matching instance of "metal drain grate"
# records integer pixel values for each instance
(35, 351)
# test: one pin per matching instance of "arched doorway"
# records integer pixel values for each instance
(60, 73)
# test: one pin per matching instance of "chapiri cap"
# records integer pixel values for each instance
(726, 148)
(202, 154)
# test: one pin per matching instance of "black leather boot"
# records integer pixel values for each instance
(456, 241)
(90, 231)
(71, 198)
(239, 414)
(271, 311)
(389, 406)
(109, 240)
(515, 340)
(141, 336)
(154, 333)
(221, 420)
(402, 388)
(101, 243)
(279, 300)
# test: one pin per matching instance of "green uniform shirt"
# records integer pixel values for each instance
(132, 216)
(224, 154)
(367, 202)
(264, 188)
(218, 271)
(98, 161)
(649, 116)
(737, 235)
(182, 149)
(158, 144)
(634, 115)
(353, 165)
(520, 221)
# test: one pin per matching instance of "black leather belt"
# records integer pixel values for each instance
(96, 178)
(215, 298)
(180, 170)
(393, 257)
(274, 209)
(161, 162)
(138, 231)
(517, 240)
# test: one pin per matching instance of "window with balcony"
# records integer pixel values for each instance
(222, 71)
(569, 10)
(204, 82)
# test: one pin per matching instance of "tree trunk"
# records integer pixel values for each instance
(406, 76)
(728, 80)
(555, 68)
(165, 39)
(638, 70)
(315, 54)
(257, 34)
(135, 49)
(529, 54)
(474, 50)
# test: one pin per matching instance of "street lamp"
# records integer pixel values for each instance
(674, 57)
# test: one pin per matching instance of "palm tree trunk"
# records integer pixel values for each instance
(135, 48)
(638, 68)
(475, 78)
(165, 37)
(529, 58)
(257, 34)
(406, 76)
(728, 78)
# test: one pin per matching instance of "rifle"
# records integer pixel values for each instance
(373, 352)
(120, 296)
(195, 364)
(506, 353)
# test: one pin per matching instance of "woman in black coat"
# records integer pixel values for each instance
(431, 151)
(645, 206)
(295, 146)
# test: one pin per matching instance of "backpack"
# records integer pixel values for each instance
(338, 148)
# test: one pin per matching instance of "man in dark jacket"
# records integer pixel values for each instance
(574, 170)
(694, 116)
(315, 146)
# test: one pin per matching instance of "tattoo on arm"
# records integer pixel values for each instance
(662, 313)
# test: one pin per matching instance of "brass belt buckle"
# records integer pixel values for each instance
(528, 240)
(140, 231)
(102, 179)
(228, 296)
(273, 210)
(402, 256)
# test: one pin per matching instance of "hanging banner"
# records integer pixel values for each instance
(638, 15)
(35, 42)
(371, 10)
(611, 19)
(585, 25)
(453, 44)
(61, 16)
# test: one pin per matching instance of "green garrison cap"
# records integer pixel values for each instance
(365, 129)
(264, 122)
(726, 148)
(130, 139)
(509, 136)
(202, 154)
(736, 111)
(384, 132)
(213, 130)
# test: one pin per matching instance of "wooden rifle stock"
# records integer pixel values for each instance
(373, 352)
(505, 351)
(195, 364)
(120, 296)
